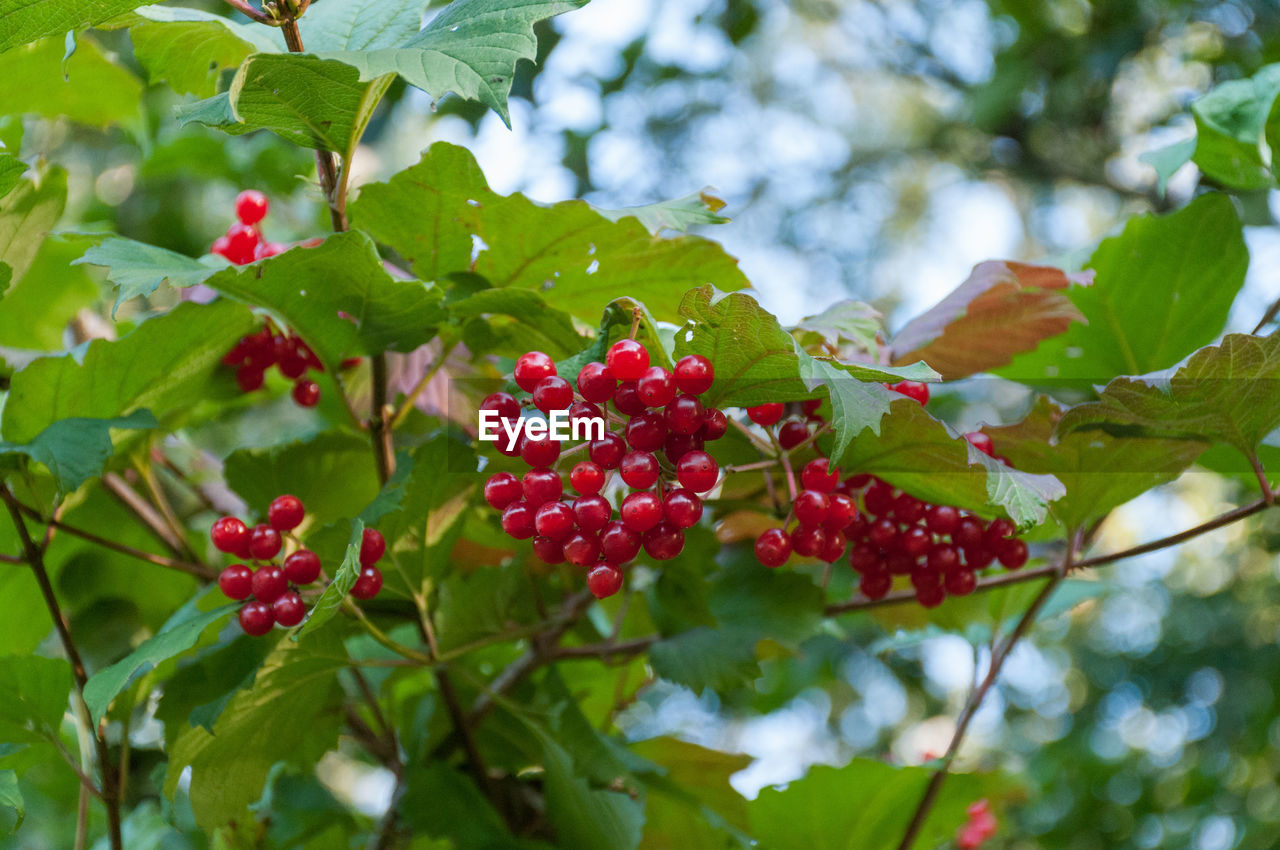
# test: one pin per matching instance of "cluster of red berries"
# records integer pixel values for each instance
(254, 354)
(978, 827)
(274, 588)
(243, 242)
(657, 451)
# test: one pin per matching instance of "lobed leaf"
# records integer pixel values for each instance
(338, 588)
(88, 88)
(28, 20)
(77, 448)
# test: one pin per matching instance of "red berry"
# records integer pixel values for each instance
(264, 543)
(842, 510)
(811, 507)
(1012, 554)
(663, 542)
(883, 534)
(505, 448)
(646, 432)
(942, 519)
(242, 243)
(694, 374)
(582, 550)
(604, 580)
(596, 382)
(683, 415)
(269, 249)
(960, 582)
(306, 393)
(618, 543)
(773, 547)
(626, 398)
(878, 498)
(999, 529)
(249, 378)
(541, 486)
(792, 434)
(504, 404)
(251, 206)
(766, 414)
(256, 618)
(875, 585)
(640, 470)
(542, 452)
(501, 489)
(229, 534)
(548, 551)
(372, 547)
(682, 508)
(584, 411)
(818, 475)
(915, 541)
(627, 360)
(236, 582)
(552, 393)
(943, 558)
(656, 387)
(981, 442)
(930, 595)
(857, 482)
(679, 445)
(714, 424)
(907, 509)
(269, 583)
(810, 406)
(368, 584)
(978, 557)
(834, 547)
(289, 609)
(285, 513)
(290, 362)
(302, 567)
(607, 453)
(221, 246)
(592, 512)
(900, 563)
(554, 520)
(641, 511)
(969, 532)
(865, 559)
(697, 471)
(532, 368)
(586, 477)
(912, 389)
(808, 541)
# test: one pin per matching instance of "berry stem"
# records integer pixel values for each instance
(750, 467)
(636, 317)
(382, 637)
(786, 464)
(809, 440)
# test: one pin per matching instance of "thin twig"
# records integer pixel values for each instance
(1271, 313)
(143, 510)
(244, 8)
(412, 397)
(1268, 495)
(379, 428)
(601, 651)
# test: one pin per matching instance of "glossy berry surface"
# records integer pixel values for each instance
(627, 360)
(694, 374)
(302, 567)
(641, 511)
(766, 414)
(554, 520)
(372, 547)
(531, 368)
(596, 382)
(264, 543)
(656, 387)
(663, 542)
(604, 580)
(682, 508)
(552, 393)
(697, 471)
(368, 583)
(913, 390)
(618, 543)
(683, 415)
(818, 475)
(773, 547)
(269, 583)
(289, 609)
(582, 549)
(236, 582)
(586, 477)
(504, 404)
(229, 535)
(792, 434)
(592, 512)
(251, 206)
(285, 513)
(502, 489)
(541, 486)
(306, 393)
(256, 618)
(639, 470)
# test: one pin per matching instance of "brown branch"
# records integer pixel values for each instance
(245, 9)
(1271, 313)
(1268, 495)
(379, 431)
(35, 560)
(634, 646)
(143, 510)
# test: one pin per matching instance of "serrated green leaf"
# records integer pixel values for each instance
(678, 214)
(138, 269)
(470, 48)
(166, 364)
(548, 330)
(846, 321)
(36, 690)
(76, 449)
(690, 802)
(36, 310)
(716, 658)
(1163, 289)
(586, 818)
(95, 90)
(360, 25)
(189, 49)
(28, 20)
(11, 171)
(11, 798)
(178, 635)
(343, 580)
(1230, 121)
(27, 214)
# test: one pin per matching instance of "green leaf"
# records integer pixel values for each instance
(578, 260)
(360, 25)
(28, 20)
(586, 818)
(308, 287)
(37, 308)
(1100, 471)
(690, 801)
(27, 214)
(1163, 289)
(11, 171)
(1227, 393)
(343, 580)
(1230, 121)
(190, 49)
(76, 449)
(11, 798)
(543, 328)
(678, 214)
(442, 802)
(1167, 160)
(470, 48)
(718, 659)
(178, 635)
(845, 322)
(287, 716)
(138, 269)
(36, 691)
(166, 364)
(95, 90)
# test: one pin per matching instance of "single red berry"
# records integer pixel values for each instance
(809, 541)
(531, 368)
(858, 527)
(289, 609)
(368, 584)
(269, 583)
(943, 558)
(505, 448)
(618, 543)
(714, 424)
(291, 364)
(773, 547)
(596, 382)
(592, 512)
(677, 446)
(883, 534)
(683, 415)
(682, 508)
(959, 582)
(818, 475)
(256, 618)
(981, 442)
(250, 378)
(504, 404)
(912, 389)
(306, 393)
(372, 547)
(285, 513)
(697, 471)
(865, 559)
(664, 541)
(242, 243)
(548, 551)
(552, 393)
(581, 549)
(875, 585)
(930, 595)
(264, 543)
(221, 246)
(269, 249)
(626, 398)
(542, 452)
(1012, 553)
(646, 432)
(541, 486)
(810, 406)
(879, 498)
(627, 360)
(694, 374)
(302, 567)
(554, 520)
(915, 541)
(501, 489)
(604, 580)
(251, 206)
(766, 414)
(641, 511)
(811, 507)
(978, 557)
(607, 452)
(584, 411)
(656, 387)
(229, 534)
(640, 470)
(842, 510)
(834, 548)
(792, 434)
(968, 533)
(942, 519)
(236, 582)
(999, 529)
(907, 509)
(586, 477)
